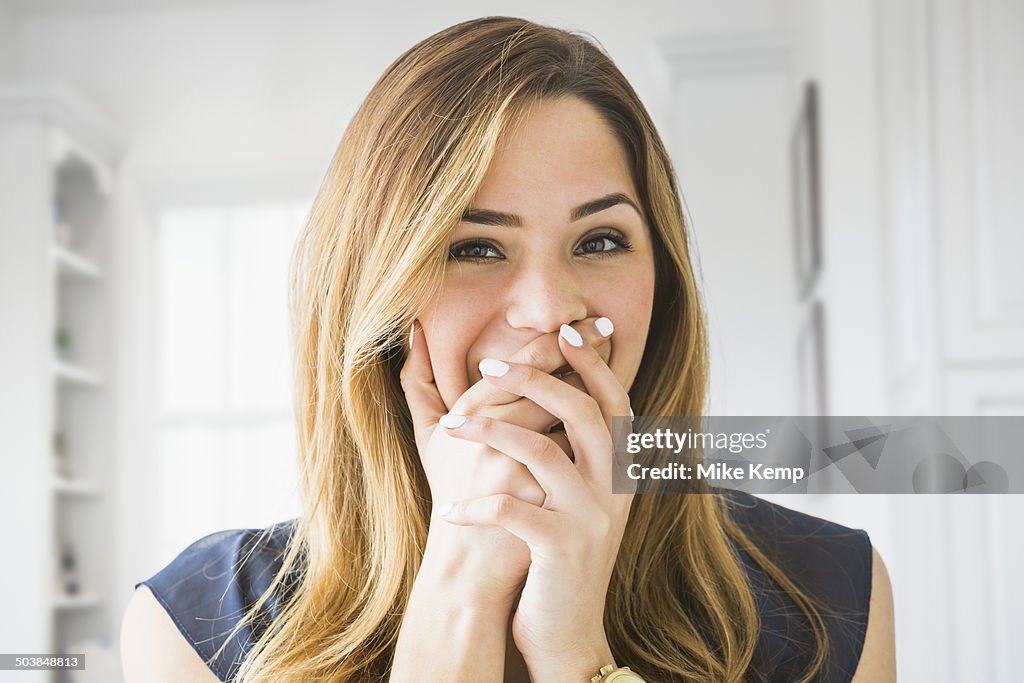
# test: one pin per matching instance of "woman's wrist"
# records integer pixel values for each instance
(449, 634)
(452, 563)
(580, 664)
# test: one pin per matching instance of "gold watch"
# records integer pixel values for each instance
(610, 674)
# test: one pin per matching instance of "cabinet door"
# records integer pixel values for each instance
(979, 102)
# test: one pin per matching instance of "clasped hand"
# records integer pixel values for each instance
(521, 512)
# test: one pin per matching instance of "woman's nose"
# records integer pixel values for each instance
(544, 298)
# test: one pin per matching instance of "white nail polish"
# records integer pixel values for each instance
(452, 421)
(445, 510)
(604, 326)
(493, 367)
(412, 334)
(570, 335)
(632, 417)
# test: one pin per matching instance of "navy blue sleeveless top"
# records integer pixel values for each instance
(207, 588)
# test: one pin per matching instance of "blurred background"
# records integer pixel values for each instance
(852, 170)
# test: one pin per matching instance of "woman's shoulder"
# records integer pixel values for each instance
(832, 563)
(211, 584)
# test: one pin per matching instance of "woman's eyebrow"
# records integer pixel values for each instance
(511, 220)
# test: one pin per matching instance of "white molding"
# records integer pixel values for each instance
(979, 58)
(63, 107)
(726, 54)
(980, 162)
(906, 189)
(988, 391)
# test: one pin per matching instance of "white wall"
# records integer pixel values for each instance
(8, 42)
(207, 93)
(730, 130)
(24, 412)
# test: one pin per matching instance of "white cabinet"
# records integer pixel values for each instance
(57, 474)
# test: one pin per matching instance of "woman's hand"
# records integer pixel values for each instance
(489, 563)
(573, 535)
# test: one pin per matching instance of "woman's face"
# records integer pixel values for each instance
(506, 285)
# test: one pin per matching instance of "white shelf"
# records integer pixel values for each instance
(65, 160)
(74, 375)
(74, 602)
(75, 487)
(73, 265)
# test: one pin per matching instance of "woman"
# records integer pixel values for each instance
(495, 266)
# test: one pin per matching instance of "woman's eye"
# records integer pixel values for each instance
(605, 244)
(474, 251)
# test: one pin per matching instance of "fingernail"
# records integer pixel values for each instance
(632, 417)
(452, 420)
(493, 367)
(604, 326)
(446, 510)
(412, 334)
(570, 335)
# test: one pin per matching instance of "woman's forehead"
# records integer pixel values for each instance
(561, 156)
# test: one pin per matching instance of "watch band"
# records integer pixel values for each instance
(610, 674)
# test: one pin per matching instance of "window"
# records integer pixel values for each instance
(226, 442)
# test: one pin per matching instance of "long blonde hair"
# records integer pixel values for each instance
(372, 253)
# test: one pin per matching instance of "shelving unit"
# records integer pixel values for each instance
(57, 478)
